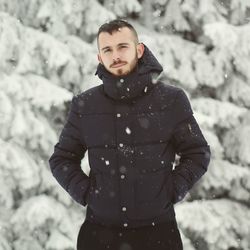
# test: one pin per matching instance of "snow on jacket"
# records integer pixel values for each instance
(132, 127)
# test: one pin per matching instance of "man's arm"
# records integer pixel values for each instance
(192, 147)
(65, 162)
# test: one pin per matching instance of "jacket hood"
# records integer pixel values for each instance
(134, 84)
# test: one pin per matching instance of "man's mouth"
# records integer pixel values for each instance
(118, 65)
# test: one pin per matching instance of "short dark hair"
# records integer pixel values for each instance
(115, 25)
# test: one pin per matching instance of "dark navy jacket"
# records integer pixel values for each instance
(132, 127)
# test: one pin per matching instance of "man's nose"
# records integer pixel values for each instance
(116, 56)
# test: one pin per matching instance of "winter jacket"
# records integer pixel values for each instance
(132, 128)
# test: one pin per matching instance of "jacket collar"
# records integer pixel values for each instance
(136, 83)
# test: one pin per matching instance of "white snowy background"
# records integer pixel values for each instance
(48, 53)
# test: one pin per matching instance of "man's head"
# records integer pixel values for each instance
(118, 46)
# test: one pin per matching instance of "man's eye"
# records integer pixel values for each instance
(107, 50)
(123, 46)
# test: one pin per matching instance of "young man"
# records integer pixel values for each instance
(132, 126)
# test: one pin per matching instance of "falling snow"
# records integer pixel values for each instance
(128, 131)
(47, 56)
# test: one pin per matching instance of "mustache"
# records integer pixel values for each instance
(117, 62)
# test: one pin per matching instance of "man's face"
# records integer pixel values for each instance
(119, 52)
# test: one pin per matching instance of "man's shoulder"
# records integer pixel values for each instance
(96, 90)
(87, 99)
(92, 101)
(167, 87)
(167, 91)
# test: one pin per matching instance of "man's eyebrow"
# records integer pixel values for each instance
(119, 44)
(123, 44)
(107, 47)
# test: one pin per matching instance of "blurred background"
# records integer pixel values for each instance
(48, 54)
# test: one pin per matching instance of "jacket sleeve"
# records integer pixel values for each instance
(190, 145)
(65, 162)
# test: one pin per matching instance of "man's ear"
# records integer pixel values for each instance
(99, 58)
(140, 50)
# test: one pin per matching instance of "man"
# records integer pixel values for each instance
(132, 126)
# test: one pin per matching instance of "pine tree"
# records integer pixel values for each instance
(47, 51)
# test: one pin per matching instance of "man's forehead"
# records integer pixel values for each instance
(122, 35)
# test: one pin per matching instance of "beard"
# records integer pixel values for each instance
(123, 72)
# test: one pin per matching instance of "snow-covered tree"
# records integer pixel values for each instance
(123, 8)
(48, 53)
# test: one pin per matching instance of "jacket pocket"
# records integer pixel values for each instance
(101, 197)
(91, 188)
(153, 194)
(171, 188)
